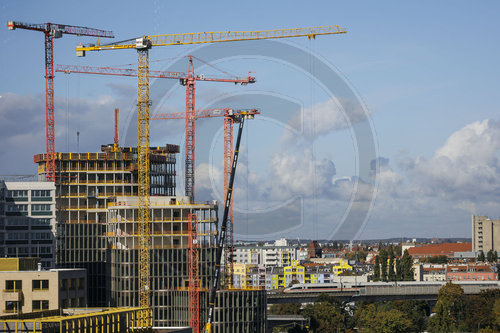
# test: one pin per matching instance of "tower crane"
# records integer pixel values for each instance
(142, 46)
(51, 31)
(186, 79)
(229, 116)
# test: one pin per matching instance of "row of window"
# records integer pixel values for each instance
(24, 208)
(37, 305)
(17, 285)
(26, 235)
(16, 221)
(24, 193)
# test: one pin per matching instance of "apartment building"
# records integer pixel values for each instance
(485, 234)
(26, 287)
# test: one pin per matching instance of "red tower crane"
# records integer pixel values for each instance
(229, 119)
(186, 79)
(52, 31)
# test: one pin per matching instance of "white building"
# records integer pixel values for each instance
(28, 216)
(268, 255)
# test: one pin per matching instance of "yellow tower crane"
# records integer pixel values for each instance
(142, 45)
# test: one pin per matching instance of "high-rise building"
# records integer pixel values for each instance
(85, 184)
(485, 234)
(27, 220)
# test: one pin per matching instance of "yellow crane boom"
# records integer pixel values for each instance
(215, 37)
(142, 45)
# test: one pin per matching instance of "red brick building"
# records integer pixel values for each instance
(434, 250)
(470, 273)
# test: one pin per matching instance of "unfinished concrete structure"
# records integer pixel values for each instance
(97, 229)
(85, 184)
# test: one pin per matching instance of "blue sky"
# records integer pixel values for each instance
(427, 73)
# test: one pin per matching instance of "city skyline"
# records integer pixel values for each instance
(426, 74)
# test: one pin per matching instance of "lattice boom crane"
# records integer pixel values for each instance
(51, 31)
(142, 45)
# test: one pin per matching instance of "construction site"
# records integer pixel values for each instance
(154, 257)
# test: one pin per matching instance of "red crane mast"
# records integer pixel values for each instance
(51, 31)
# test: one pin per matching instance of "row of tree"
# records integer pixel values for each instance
(453, 312)
(491, 256)
(389, 268)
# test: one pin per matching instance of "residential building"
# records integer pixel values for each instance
(26, 287)
(27, 221)
(266, 255)
(485, 234)
(314, 250)
(433, 273)
(434, 250)
(470, 273)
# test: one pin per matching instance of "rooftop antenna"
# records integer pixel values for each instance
(78, 142)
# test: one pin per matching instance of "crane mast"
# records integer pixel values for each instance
(142, 45)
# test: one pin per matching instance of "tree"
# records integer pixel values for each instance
(383, 264)
(415, 311)
(324, 317)
(392, 274)
(407, 266)
(449, 310)
(436, 260)
(481, 256)
(399, 270)
(376, 269)
(285, 309)
(375, 319)
(496, 313)
(492, 256)
(477, 313)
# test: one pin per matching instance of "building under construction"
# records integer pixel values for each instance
(97, 229)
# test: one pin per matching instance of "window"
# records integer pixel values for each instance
(40, 222)
(17, 208)
(81, 283)
(72, 283)
(12, 306)
(64, 303)
(40, 284)
(64, 284)
(40, 305)
(40, 209)
(17, 193)
(40, 193)
(13, 285)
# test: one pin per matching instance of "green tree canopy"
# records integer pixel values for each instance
(324, 317)
(449, 310)
(481, 256)
(376, 269)
(373, 319)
